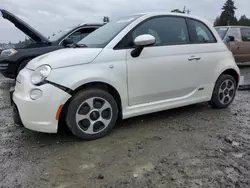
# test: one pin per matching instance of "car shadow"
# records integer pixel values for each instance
(141, 121)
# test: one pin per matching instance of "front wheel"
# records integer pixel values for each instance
(92, 114)
(224, 92)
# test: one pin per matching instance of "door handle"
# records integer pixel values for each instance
(194, 58)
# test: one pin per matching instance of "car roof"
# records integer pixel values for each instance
(151, 14)
(87, 25)
(91, 24)
(233, 26)
(76, 27)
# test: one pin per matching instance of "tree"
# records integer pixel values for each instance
(217, 21)
(228, 14)
(178, 11)
(244, 21)
(106, 19)
(183, 12)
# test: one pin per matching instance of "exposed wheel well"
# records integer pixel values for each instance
(104, 86)
(100, 85)
(23, 61)
(232, 73)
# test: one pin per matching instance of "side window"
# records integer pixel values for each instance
(80, 34)
(75, 36)
(245, 34)
(166, 30)
(200, 33)
(233, 32)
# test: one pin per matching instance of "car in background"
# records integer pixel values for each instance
(14, 60)
(240, 41)
(140, 64)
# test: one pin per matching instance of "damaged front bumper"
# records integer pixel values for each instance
(16, 115)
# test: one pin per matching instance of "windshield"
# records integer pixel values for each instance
(222, 31)
(102, 36)
(59, 34)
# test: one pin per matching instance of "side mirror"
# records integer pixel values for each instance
(67, 42)
(232, 38)
(141, 42)
(144, 40)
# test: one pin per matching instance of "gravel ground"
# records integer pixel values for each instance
(194, 146)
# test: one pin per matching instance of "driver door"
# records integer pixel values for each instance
(165, 70)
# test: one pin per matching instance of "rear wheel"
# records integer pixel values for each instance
(224, 92)
(92, 114)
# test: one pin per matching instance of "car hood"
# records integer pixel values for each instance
(65, 57)
(24, 27)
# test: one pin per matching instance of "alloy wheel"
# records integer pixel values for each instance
(227, 91)
(94, 115)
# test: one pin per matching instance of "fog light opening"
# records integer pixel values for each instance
(35, 94)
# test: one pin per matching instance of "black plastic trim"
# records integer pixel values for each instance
(16, 116)
(67, 90)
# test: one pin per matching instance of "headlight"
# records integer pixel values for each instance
(40, 74)
(9, 52)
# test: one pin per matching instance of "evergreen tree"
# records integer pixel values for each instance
(228, 14)
(178, 11)
(217, 21)
(106, 19)
(244, 21)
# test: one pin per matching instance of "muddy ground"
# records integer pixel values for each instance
(194, 146)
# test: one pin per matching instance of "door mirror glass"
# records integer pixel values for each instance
(67, 42)
(232, 38)
(144, 40)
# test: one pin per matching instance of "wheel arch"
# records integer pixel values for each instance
(104, 86)
(28, 59)
(233, 73)
(100, 85)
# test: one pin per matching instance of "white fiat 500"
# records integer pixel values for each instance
(137, 65)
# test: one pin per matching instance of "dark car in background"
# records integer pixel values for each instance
(14, 60)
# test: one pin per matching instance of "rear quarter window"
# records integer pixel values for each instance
(200, 33)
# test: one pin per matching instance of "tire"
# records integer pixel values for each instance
(103, 114)
(223, 95)
(22, 65)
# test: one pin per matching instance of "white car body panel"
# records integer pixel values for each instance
(65, 57)
(38, 115)
(160, 78)
(108, 67)
(166, 71)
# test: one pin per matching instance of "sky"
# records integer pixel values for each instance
(49, 16)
